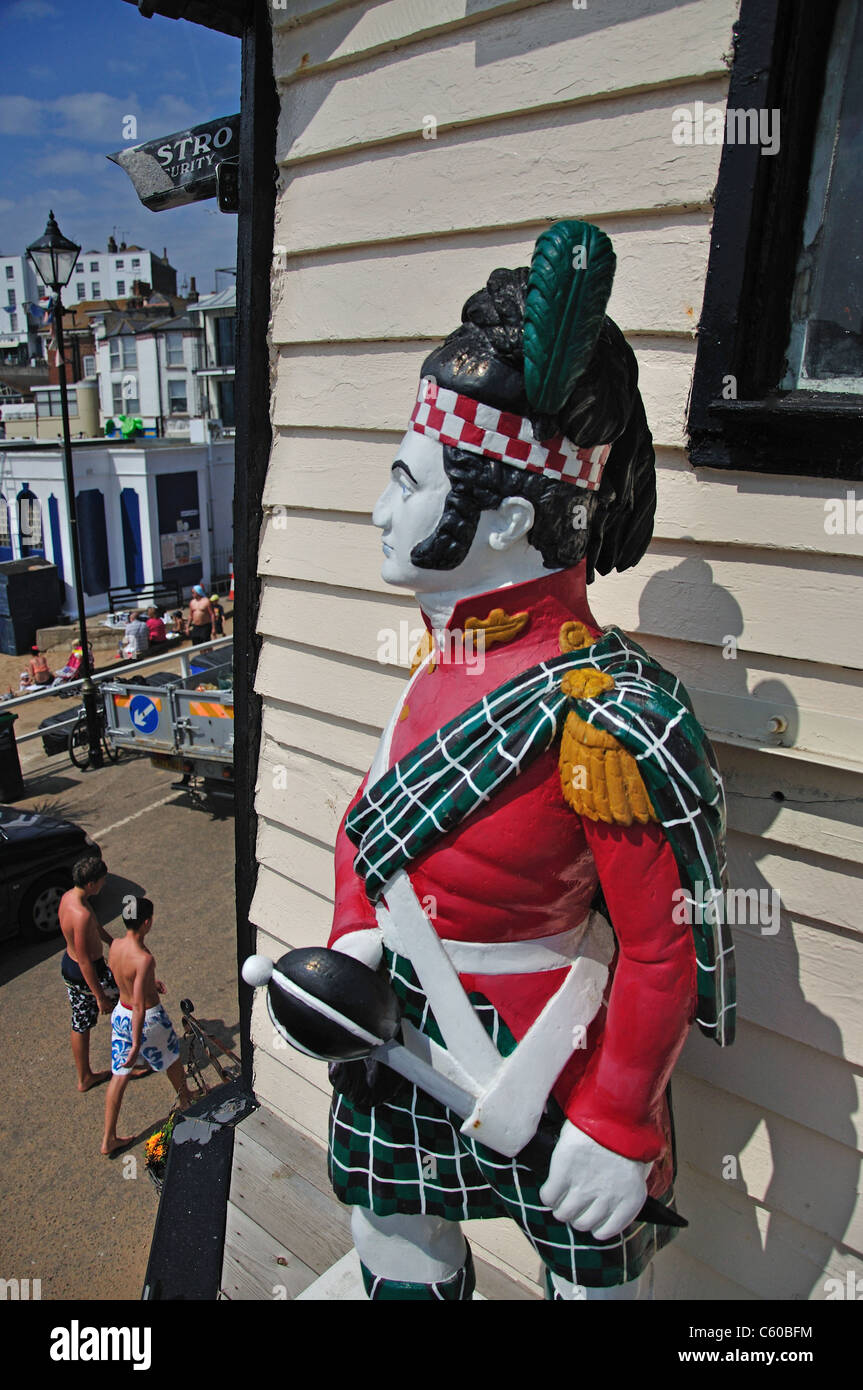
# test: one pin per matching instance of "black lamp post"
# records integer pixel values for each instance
(54, 257)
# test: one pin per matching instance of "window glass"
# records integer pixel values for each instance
(94, 267)
(225, 340)
(96, 290)
(10, 272)
(177, 398)
(121, 287)
(174, 349)
(124, 404)
(825, 350)
(80, 289)
(48, 403)
(226, 403)
(124, 352)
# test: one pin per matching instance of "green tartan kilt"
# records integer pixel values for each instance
(408, 1155)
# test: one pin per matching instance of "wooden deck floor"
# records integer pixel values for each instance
(285, 1227)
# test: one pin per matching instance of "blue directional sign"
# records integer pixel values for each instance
(144, 714)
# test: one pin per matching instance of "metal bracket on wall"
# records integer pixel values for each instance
(228, 185)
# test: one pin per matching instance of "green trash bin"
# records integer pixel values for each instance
(11, 781)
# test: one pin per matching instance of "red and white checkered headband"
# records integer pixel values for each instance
(481, 429)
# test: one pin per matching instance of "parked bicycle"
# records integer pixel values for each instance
(79, 746)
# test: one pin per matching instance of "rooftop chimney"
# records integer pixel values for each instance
(193, 291)
(112, 245)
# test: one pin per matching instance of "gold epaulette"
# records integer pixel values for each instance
(423, 649)
(498, 627)
(599, 779)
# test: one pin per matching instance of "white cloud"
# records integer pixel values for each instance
(20, 116)
(95, 117)
(71, 162)
(30, 9)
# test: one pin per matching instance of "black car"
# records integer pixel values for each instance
(36, 857)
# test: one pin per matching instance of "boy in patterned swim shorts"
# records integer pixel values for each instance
(89, 983)
(139, 1023)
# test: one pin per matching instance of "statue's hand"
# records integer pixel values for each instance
(591, 1188)
(365, 945)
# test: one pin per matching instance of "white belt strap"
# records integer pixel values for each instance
(415, 938)
(510, 1093)
(517, 957)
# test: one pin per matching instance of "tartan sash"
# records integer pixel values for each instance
(439, 783)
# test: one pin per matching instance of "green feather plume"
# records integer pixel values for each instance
(571, 275)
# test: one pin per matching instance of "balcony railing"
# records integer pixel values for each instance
(209, 360)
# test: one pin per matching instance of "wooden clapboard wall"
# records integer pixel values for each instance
(541, 111)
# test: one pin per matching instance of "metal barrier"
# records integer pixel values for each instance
(119, 673)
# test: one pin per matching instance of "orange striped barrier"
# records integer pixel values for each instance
(212, 711)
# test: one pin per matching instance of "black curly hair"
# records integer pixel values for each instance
(484, 359)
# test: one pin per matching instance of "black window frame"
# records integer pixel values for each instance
(781, 49)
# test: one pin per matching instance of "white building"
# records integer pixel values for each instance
(19, 286)
(110, 274)
(216, 315)
(147, 511)
(148, 368)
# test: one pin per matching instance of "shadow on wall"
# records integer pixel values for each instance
(802, 1173)
(556, 22)
(686, 599)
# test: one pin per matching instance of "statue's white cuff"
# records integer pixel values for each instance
(365, 945)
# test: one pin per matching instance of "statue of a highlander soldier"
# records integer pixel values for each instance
(512, 863)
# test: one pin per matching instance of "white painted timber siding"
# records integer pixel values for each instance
(542, 111)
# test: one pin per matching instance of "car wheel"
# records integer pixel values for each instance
(37, 915)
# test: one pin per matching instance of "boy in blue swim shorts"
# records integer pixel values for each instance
(139, 1024)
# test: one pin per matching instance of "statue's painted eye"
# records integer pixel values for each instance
(404, 487)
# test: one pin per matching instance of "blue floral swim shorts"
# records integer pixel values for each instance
(159, 1044)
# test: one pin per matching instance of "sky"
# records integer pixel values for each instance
(71, 71)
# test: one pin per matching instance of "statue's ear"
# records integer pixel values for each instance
(513, 519)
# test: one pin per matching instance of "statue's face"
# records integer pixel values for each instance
(411, 506)
(409, 509)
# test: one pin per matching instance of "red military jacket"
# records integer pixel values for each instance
(526, 865)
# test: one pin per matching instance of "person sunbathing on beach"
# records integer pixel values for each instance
(139, 1023)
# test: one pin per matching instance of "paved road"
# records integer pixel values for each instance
(79, 1222)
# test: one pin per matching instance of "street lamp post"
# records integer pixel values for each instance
(54, 257)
